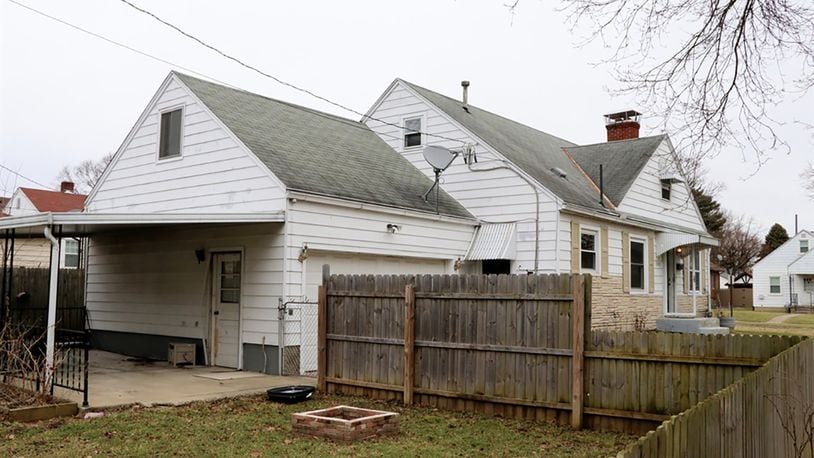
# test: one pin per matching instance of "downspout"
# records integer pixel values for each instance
(283, 297)
(504, 165)
(52, 303)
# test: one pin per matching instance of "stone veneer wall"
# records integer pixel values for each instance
(613, 309)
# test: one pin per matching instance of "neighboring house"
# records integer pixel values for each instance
(538, 197)
(34, 250)
(220, 205)
(786, 275)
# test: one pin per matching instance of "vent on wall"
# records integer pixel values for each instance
(559, 172)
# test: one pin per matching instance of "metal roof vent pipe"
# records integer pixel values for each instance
(465, 99)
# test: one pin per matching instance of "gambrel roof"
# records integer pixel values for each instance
(320, 153)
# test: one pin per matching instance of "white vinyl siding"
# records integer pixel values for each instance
(149, 281)
(644, 198)
(777, 264)
(214, 173)
(494, 196)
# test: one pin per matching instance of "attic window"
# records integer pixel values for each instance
(412, 132)
(170, 142)
(803, 246)
(666, 187)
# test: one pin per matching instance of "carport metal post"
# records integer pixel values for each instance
(52, 306)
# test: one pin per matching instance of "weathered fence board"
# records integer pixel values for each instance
(765, 413)
(511, 345)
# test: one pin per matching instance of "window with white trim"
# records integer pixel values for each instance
(666, 189)
(637, 265)
(71, 255)
(412, 131)
(695, 271)
(588, 249)
(803, 246)
(774, 285)
(170, 137)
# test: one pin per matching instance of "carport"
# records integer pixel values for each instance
(76, 372)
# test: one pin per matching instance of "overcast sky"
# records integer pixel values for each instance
(66, 96)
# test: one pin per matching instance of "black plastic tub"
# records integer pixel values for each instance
(290, 394)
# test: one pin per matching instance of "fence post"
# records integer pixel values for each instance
(322, 330)
(578, 346)
(409, 343)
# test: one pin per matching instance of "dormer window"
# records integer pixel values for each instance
(412, 132)
(170, 138)
(666, 188)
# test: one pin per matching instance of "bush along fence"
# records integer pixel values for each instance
(517, 346)
(769, 412)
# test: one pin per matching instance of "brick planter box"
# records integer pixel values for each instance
(346, 423)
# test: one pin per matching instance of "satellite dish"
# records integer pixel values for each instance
(439, 158)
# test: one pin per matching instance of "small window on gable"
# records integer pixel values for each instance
(803, 246)
(170, 142)
(666, 187)
(774, 285)
(412, 132)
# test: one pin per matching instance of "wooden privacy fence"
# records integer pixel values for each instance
(516, 345)
(769, 412)
(34, 281)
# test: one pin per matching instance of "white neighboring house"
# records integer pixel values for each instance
(35, 251)
(644, 241)
(786, 275)
(222, 205)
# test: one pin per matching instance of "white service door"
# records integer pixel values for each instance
(350, 264)
(226, 309)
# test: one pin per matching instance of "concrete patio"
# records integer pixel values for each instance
(119, 380)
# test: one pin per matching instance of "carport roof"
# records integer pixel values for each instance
(81, 224)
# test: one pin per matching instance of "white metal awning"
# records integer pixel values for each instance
(666, 241)
(494, 241)
(77, 224)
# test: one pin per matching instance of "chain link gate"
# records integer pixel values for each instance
(297, 352)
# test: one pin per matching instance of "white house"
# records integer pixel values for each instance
(221, 205)
(643, 240)
(786, 275)
(35, 251)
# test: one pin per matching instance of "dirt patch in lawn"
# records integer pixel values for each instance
(254, 427)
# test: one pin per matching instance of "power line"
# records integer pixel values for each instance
(122, 45)
(274, 78)
(24, 177)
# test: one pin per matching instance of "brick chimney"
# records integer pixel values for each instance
(623, 125)
(66, 186)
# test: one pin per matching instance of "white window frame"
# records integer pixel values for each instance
(645, 255)
(421, 131)
(65, 253)
(180, 154)
(597, 270)
(669, 187)
(779, 285)
(694, 268)
(801, 246)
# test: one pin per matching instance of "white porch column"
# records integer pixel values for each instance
(694, 287)
(52, 306)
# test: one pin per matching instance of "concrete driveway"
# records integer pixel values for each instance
(119, 380)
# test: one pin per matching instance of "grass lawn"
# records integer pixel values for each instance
(750, 316)
(802, 319)
(254, 427)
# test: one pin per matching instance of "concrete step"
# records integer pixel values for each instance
(713, 330)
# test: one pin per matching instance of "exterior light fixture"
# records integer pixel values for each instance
(393, 228)
(303, 253)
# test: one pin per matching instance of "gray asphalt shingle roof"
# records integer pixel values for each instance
(320, 153)
(622, 161)
(534, 151)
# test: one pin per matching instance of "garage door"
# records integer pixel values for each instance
(349, 264)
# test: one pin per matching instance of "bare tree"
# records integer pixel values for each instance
(85, 174)
(808, 180)
(711, 70)
(739, 249)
